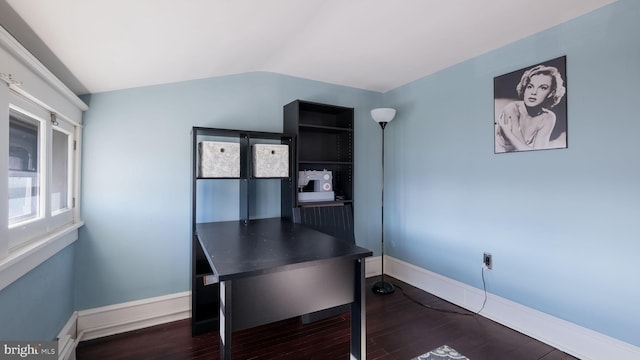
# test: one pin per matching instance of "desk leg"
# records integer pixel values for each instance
(225, 320)
(358, 312)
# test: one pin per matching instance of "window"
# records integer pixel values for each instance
(39, 162)
(61, 142)
(24, 158)
(40, 171)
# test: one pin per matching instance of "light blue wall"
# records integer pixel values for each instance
(37, 306)
(136, 174)
(562, 225)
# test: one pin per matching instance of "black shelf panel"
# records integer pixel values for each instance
(199, 328)
(327, 116)
(323, 128)
(322, 108)
(207, 320)
(269, 178)
(210, 317)
(324, 146)
(201, 265)
(204, 131)
(203, 268)
(325, 162)
(219, 178)
(207, 303)
(326, 203)
(242, 178)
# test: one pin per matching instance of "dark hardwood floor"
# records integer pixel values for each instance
(398, 327)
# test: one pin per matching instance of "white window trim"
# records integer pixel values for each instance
(28, 257)
(24, 66)
(47, 222)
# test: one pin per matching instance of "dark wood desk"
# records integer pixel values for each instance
(272, 269)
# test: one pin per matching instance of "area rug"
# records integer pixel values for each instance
(444, 352)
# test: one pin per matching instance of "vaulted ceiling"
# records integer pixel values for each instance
(103, 45)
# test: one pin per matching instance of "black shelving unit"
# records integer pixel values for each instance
(324, 141)
(324, 136)
(205, 289)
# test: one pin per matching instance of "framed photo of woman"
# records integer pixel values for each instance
(530, 108)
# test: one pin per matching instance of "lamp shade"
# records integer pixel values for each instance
(383, 115)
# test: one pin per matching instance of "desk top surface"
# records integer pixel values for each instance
(235, 250)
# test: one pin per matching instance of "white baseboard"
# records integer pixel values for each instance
(573, 339)
(372, 266)
(133, 315)
(68, 339)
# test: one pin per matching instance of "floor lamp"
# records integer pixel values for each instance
(383, 116)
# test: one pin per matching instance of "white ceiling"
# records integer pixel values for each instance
(368, 44)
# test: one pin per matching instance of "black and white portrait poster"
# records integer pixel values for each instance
(531, 108)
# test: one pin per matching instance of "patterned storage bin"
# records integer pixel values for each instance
(219, 159)
(270, 160)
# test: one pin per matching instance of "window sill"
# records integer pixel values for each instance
(24, 259)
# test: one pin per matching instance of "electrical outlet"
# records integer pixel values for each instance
(487, 260)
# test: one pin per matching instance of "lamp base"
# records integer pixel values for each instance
(383, 288)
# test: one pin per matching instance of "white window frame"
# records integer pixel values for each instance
(24, 232)
(22, 248)
(22, 74)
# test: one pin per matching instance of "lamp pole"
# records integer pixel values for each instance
(382, 287)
